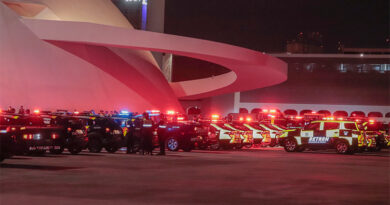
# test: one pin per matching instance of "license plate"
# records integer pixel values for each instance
(44, 148)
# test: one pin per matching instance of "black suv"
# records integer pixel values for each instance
(103, 132)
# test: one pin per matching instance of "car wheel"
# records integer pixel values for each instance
(342, 147)
(172, 144)
(111, 148)
(215, 146)
(248, 146)
(290, 145)
(95, 146)
(74, 150)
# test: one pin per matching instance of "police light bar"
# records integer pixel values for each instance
(36, 111)
(241, 119)
(124, 112)
(170, 112)
(180, 118)
(298, 117)
(264, 110)
(248, 119)
(272, 111)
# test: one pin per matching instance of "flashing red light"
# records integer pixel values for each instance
(180, 118)
(272, 111)
(107, 129)
(25, 136)
(215, 116)
(155, 111)
(265, 110)
(241, 119)
(36, 111)
(248, 119)
(69, 129)
(371, 121)
(357, 120)
(170, 112)
(313, 112)
(340, 118)
(298, 117)
(54, 136)
(76, 112)
(272, 116)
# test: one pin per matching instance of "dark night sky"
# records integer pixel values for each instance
(266, 25)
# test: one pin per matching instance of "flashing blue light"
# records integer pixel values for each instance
(125, 112)
(144, 14)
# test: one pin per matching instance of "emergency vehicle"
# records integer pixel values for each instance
(72, 134)
(103, 132)
(246, 134)
(344, 136)
(274, 133)
(32, 133)
(7, 139)
(376, 135)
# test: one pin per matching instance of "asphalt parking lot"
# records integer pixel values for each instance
(258, 176)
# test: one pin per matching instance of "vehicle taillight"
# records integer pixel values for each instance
(107, 129)
(28, 136)
(69, 129)
(54, 136)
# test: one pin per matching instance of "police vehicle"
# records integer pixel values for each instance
(71, 136)
(180, 135)
(7, 139)
(103, 132)
(32, 133)
(344, 136)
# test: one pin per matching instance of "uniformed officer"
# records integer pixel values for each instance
(130, 137)
(161, 132)
(146, 135)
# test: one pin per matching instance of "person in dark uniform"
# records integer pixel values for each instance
(21, 110)
(131, 137)
(161, 132)
(146, 135)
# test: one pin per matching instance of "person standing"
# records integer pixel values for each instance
(21, 110)
(146, 135)
(161, 132)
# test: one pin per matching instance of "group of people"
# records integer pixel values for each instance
(21, 110)
(141, 132)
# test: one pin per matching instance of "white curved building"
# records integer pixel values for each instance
(86, 55)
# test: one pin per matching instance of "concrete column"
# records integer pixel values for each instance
(156, 22)
(237, 96)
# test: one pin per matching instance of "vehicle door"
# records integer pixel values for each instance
(308, 133)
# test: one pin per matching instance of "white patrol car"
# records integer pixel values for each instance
(344, 136)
